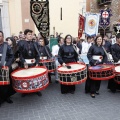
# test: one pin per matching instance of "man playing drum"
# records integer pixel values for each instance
(29, 56)
(115, 49)
(45, 54)
(6, 59)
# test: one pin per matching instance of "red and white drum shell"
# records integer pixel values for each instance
(101, 72)
(30, 80)
(50, 64)
(117, 74)
(76, 75)
(4, 76)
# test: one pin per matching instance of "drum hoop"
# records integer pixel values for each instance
(99, 70)
(102, 78)
(43, 61)
(30, 77)
(72, 71)
(73, 83)
(4, 82)
(33, 90)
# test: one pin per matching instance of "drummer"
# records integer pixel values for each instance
(66, 55)
(44, 51)
(96, 50)
(29, 56)
(115, 50)
(6, 90)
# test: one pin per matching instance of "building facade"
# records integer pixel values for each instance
(63, 16)
(95, 6)
(4, 17)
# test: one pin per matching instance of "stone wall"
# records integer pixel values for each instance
(114, 6)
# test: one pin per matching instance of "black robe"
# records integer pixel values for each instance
(115, 50)
(6, 90)
(45, 51)
(67, 54)
(92, 85)
(27, 50)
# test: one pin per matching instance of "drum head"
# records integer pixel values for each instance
(28, 73)
(100, 67)
(74, 67)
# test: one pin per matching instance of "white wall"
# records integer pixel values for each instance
(5, 17)
(70, 13)
(15, 16)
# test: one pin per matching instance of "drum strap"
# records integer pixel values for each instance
(77, 53)
(48, 53)
(107, 54)
(36, 49)
(3, 55)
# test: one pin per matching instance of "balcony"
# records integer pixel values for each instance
(104, 2)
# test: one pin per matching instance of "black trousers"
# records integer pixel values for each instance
(49, 77)
(87, 83)
(95, 86)
(112, 85)
(67, 88)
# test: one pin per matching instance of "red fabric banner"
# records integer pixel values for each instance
(80, 25)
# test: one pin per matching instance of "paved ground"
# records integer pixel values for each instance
(55, 106)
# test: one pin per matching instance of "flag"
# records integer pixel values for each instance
(91, 24)
(80, 25)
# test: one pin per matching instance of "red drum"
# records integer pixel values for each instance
(77, 74)
(30, 80)
(117, 72)
(50, 64)
(4, 76)
(101, 72)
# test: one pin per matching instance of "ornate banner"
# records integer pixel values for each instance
(105, 15)
(40, 14)
(91, 24)
(80, 25)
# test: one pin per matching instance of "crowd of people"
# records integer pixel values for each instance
(27, 46)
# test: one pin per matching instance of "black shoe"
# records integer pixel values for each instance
(23, 95)
(97, 92)
(50, 81)
(92, 95)
(87, 92)
(8, 100)
(56, 81)
(113, 91)
(72, 92)
(39, 93)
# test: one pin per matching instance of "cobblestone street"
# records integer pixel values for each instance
(53, 105)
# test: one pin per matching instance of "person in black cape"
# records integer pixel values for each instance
(67, 54)
(96, 50)
(44, 51)
(115, 50)
(6, 90)
(28, 50)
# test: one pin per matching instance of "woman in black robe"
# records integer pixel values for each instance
(96, 50)
(67, 54)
